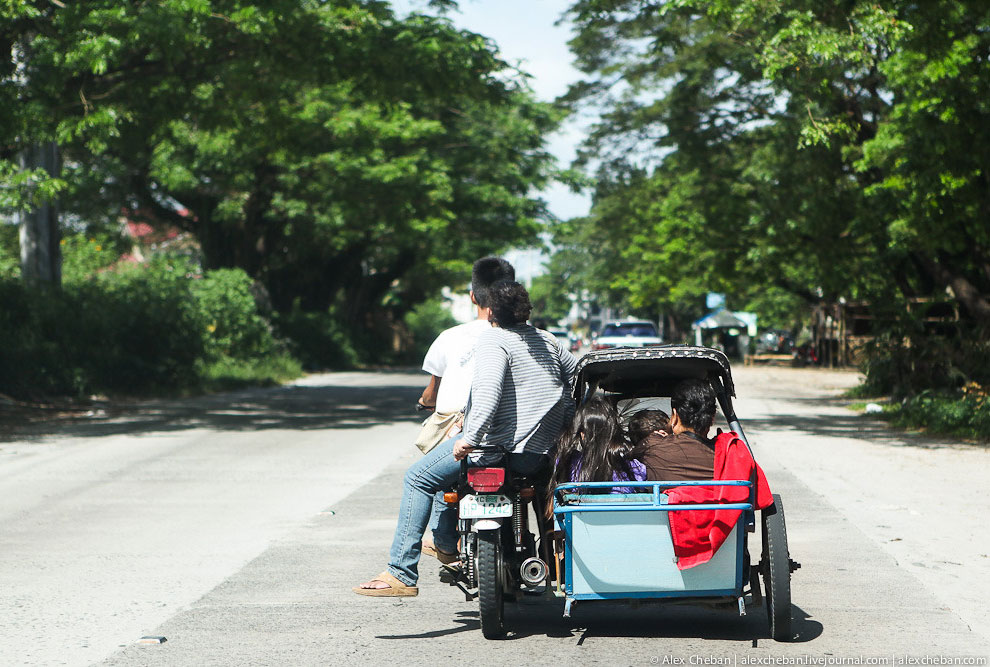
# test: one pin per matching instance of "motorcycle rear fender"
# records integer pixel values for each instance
(488, 524)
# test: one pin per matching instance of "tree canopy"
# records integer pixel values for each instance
(787, 150)
(334, 151)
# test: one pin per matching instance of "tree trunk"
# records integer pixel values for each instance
(966, 292)
(41, 261)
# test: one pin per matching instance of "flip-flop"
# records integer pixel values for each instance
(396, 589)
(442, 556)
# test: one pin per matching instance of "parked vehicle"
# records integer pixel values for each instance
(806, 355)
(774, 341)
(627, 333)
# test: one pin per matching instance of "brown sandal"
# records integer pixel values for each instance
(396, 589)
(442, 556)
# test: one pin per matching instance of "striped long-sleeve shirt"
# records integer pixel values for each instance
(520, 392)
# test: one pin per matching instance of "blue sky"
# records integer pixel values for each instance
(525, 33)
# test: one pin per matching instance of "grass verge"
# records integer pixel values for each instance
(227, 373)
(962, 414)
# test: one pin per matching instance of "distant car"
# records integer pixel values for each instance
(562, 335)
(627, 333)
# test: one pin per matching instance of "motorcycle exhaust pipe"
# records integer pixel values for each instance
(533, 571)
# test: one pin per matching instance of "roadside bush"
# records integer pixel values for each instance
(907, 358)
(148, 329)
(317, 339)
(964, 414)
(936, 380)
(132, 337)
(83, 256)
(10, 260)
(326, 340)
(233, 326)
(158, 332)
(424, 323)
(24, 317)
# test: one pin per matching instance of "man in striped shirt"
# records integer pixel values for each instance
(520, 400)
(521, 391)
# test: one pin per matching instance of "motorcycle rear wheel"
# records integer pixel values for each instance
(491, 585)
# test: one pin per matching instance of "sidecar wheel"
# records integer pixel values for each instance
(775, 567)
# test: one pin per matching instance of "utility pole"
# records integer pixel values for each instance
(41, 260)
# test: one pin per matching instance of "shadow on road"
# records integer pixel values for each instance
(290, 408)
(613, 619)
(851, 425)
(805, 629)
(468, 623)
(685, 622)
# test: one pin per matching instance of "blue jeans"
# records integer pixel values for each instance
(434, 472)
(438, 507)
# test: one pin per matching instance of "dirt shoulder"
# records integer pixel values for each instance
(918, 497)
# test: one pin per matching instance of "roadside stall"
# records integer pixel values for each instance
(726, 331)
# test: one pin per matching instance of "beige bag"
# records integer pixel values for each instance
(437, 428)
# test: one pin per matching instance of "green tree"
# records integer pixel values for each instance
(338, 154)
(549, 296)
(819, 150)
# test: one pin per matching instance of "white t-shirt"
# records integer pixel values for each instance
(451, 357)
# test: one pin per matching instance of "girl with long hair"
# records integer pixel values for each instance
(596, 449)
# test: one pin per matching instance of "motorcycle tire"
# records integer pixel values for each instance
(491, 588)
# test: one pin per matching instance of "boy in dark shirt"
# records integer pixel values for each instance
(687, 454)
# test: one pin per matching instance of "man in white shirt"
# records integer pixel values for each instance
(450, 359)
(450, 363)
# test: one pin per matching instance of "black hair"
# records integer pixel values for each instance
(509, 302)
(645, 422)
(486, 272)
(694, 401)
(594, 437)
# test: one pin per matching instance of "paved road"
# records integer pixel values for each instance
(236, 525)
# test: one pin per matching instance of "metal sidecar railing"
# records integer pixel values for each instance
(619, 546)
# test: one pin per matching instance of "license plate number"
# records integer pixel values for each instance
(484, 506)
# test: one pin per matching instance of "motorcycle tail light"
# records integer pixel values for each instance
(486, 480)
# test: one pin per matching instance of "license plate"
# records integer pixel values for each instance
(484, 506)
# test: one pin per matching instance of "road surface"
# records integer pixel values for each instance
(235, 525)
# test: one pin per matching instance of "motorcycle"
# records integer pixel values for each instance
(501, 559)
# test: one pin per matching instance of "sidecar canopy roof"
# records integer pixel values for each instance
(651, 371)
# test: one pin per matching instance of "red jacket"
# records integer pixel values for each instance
(698, 534)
